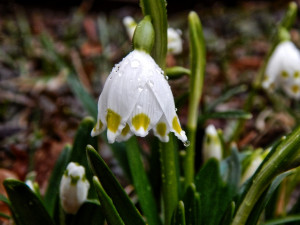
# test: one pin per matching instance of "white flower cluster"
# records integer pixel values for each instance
(283, 70)
(174, 35)
(136, 98)
(74, 188)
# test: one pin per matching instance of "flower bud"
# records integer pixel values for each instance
(212, 147)
(143, 38)
(74, 188)
(174, 41)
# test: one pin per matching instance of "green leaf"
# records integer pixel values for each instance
(228, 215)
(158, 13)
(197, 65)
(89, 213)
(87, 101)
(5, 216)
(124, 206)
(26, 206)
(192, 204)
(226, 95)
(264, 199)
(52, 192)
(179, 215)
(176, 72)
(215, 194)
(285, 220)
(4, 199)
(141, 183)
(111, 214)
(231, 171)
(82, 139)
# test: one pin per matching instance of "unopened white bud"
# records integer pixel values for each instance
(174, 41)
(74, 188)
(212, 147)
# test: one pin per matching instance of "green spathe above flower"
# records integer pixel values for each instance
(283, 70)
(136, 96)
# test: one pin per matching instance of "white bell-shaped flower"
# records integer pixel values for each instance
(135, 99)
(74, 188)
(212, 147)
(174, 41)
(283, 70)
(136, 96)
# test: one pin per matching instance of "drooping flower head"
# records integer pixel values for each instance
(73, 188)
(136, 96)
(283, 70)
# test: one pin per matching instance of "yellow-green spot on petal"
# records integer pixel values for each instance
(284, 74)
(295, 89)
(176, 125)
(161, 129)
(141, 120)
(125, 130)
(296, 74)
(113, 120)
(100, 125)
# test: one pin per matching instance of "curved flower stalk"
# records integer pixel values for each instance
(212, 147)
(174, 35)
(73, 188)
(136, 96)
(283, 70)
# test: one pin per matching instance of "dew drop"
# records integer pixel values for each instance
(186, 143)
(140, 89)
(150, 82)
(166, 77)
(176, 109)
(139, 107)
(120, 74)
(135, 63)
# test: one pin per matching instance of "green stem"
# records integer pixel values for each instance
(169, 178)
(158, 12)
(141, 182)
(282, 158)
(197, 60)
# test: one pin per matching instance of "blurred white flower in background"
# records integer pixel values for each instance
(283, 70)
(212, 147)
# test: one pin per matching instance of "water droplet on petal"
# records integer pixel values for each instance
(175, 109)
(139, 107)
(120, 74)
(140, 89)
(135, 63)
(186, 143)
(166, 77)
(150, 82)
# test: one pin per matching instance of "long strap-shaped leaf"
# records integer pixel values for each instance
(51, 194)
(179, 215)
(141, 183)
(111, 214)
(124, 206)
(197, 61)
(26, 206)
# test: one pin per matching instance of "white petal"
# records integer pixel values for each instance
(162, 129)
(146, 112)
(162, 91)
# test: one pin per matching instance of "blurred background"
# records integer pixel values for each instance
(49, 47)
